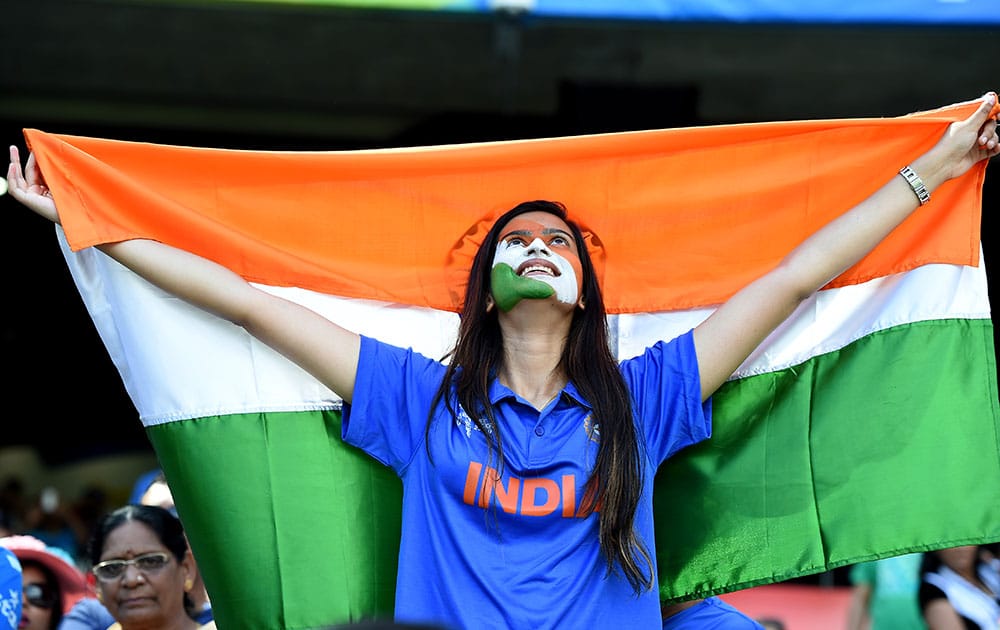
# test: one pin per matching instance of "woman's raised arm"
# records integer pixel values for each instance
(735, 329)
(322, 348)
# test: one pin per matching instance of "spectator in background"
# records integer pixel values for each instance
(144, 569)
(884, 594)
(10, 590)
(958, 590)
(150, 489)
(51, 583)
(142, 484)
(157, 492)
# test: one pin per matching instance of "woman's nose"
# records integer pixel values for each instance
(538, 246)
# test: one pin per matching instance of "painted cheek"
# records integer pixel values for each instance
(507, 253)
(577, 267)
(569, 282)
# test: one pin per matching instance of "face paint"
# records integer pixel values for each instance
(535, 258)
(509, 288)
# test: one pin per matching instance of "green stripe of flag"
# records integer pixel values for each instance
(886, 446)
(295, 526)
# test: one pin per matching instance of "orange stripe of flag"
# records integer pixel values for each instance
(682, 217)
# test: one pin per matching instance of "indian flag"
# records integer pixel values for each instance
(866, 426)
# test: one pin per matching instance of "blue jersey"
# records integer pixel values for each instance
(710, 614)
(518, 551)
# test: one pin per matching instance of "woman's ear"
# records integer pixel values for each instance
(187, 564)
(490, 303)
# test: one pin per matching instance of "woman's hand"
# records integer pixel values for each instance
(969, 141)
(29, 187)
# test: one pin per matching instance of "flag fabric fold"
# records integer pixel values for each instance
(849, 435)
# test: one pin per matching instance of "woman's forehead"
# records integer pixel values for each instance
(536, 223)
(132, 536)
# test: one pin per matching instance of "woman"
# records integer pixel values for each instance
(958, 590)
(144, 569)
(40, 598)
(90, 614)
(533, 399)
(51, 583)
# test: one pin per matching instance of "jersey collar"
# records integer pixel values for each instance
(499, 391)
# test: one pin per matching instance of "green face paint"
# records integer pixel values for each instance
(510, 288)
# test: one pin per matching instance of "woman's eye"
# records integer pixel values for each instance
(515, 240)
(559, 240)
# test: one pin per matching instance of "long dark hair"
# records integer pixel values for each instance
(166, 526)
(615, 483)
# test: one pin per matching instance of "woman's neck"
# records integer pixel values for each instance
(538, 387)
(532, 367)
(534, 336)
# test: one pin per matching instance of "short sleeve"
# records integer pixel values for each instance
(666, 391)
(392, 398)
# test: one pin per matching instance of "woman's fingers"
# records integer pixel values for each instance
(984, 120)
(989, 138)
(15, 179)
(28, 186)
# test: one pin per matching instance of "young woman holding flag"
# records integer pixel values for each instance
(533, 400)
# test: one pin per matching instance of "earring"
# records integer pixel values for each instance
(188, 583)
